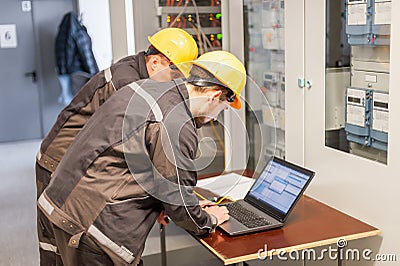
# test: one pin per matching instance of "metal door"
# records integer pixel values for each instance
(46, 28)
(19, 101)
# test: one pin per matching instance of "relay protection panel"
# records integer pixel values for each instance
(202, 19)
(368, 22)
(380, 120)
(368, 25)
(358, 115)
(367, 117)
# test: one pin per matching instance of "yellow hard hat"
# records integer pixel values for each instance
(227, 69)
(177, 45)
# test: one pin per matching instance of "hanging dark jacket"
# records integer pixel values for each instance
(74, 47)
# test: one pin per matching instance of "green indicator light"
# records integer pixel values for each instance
(219, 36)
(218, 15)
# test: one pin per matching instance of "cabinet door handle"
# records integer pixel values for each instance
(308, 84)
(300, 83)
(32, 75)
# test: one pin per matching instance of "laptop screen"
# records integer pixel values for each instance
(280, 185)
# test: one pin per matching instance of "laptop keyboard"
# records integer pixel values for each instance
(245, 216)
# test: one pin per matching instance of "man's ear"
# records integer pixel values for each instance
(215, 94)
(154, 61)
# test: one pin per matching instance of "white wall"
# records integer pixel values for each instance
(146, 22)
(96, 17)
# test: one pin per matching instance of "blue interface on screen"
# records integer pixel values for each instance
(279, 186)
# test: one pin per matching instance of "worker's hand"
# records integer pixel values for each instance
(204, 203)
(220, 212)
(163, 219)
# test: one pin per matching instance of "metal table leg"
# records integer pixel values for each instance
(163, 247)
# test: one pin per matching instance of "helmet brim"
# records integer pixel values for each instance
(237, 103)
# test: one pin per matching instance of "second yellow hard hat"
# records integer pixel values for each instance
(225, 67)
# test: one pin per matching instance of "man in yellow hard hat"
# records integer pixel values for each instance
(169, 49)
(135, 159)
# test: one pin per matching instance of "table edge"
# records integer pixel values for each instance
(291, 248)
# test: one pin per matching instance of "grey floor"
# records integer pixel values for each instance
(18, 241)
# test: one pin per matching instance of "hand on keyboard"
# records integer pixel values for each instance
(220, 212)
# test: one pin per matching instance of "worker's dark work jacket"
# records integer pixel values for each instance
(92, 95)
(69, 122)
(133, 158)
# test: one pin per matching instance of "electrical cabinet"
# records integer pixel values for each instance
(368, 24)
(265, 50)
(355, 175)
(202, 19)
(357, 68)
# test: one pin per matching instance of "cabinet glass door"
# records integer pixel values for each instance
(201, 19)
(345, 65)
(346, 108)
(264, 36)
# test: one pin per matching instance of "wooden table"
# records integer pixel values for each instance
(311, 224)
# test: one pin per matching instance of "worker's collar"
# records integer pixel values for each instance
(184, 92)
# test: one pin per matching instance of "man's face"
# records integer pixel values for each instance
(211, 108)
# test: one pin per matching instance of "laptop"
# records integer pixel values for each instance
(269, 201)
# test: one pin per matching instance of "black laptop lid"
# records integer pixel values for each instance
(279, 187)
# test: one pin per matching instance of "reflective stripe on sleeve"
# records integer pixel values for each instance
(155, 108)
(45, 204)
(48, 247)
(108, 76)
(38, 156)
